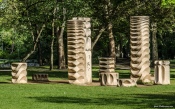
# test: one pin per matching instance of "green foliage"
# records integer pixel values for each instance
(168, 3)
(19, 18)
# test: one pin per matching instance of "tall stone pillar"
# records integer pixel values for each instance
(162, 72)
(140, 52)
(79, 51)
(19, 72)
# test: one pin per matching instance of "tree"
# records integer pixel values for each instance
(160, 22)
(61, 56)
(167, 3)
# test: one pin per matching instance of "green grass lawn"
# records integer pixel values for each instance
(68, 96)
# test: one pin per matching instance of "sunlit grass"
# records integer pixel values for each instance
(68, 96)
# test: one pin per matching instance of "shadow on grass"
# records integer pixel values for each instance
(5, 82)
(52, 74)
(136, 101)
(5, 73)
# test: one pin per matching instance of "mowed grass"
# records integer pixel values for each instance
(69, 96)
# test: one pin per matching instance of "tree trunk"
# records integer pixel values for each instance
(98, 36)
(12, 47)
(111, 41)
(39, 53)
(51, 53)
(154, 43)
(35, 44)
(61, 56)
(52, 41)
(108, 12)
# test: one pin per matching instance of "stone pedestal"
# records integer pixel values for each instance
(109, 79)
(107, 74)
(139, 43)
(79, 51)
(19, 72)
(40, 77)
(162, 72)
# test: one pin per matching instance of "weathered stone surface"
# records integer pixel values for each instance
(106, 65)
(162, 72)
(40, 77)
(107, 75)
(140, 52)
(19, 73)
(79, 51)
(127, 82)
(109, 79)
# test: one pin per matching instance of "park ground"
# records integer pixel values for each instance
(58, 94)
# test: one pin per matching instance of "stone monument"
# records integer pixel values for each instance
(19, 72)
(140, 52)
(108, 76)
(79, 50)
(162, 72)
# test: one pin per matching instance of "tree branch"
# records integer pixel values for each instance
(98, 36)
(35, 44)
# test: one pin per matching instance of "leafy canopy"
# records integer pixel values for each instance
(168, 3)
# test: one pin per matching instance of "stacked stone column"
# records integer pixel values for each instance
(19, 72)
(162, 72)
(108, 77)
(79, 51)
(140, 52)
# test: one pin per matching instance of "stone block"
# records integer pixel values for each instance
(19, 72)
(109, 79)
(40, 77)
(106, 65)
(127, 82)
(162, 72)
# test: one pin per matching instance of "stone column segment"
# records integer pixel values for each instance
(162, 72)
(139, 44)
(19, 73)
(79, 51)
(107, 74)
(109, 79)
(127, 82)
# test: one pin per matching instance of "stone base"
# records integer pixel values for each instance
(162, 72)
(148, 79)
(127, 82)
(40, 77)
(19, 72)
(109, 79)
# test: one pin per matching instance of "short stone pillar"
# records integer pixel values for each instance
(139, 44)
(40, 77)
(79, 50)
(19, 72)
(108, 79)
(127, 82)
(107, 74)
(162, 72)
(106, 65)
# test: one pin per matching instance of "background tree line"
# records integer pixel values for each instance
(37, 28)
